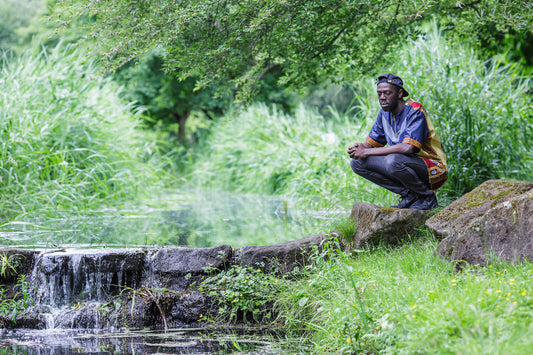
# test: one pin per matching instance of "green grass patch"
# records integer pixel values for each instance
(405, 300)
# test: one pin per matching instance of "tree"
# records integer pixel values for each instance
(235, 42)
(166, 98)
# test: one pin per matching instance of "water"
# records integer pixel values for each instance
(186, 219)
(175, 341)
(196, 220)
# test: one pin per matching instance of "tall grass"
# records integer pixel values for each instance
(483, 110)
(303, 157)
(406, 300)
(68, 143)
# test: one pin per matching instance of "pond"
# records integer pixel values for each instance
(175, 341)
(195, 219)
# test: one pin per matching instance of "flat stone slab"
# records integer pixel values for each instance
(283, 256)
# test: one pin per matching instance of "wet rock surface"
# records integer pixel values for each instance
(134, 288)
(283, 256)
(495, 219)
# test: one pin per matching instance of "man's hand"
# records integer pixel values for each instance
(358, 150)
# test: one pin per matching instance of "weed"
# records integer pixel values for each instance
(243, 291)
(8, 265)
(20, 301)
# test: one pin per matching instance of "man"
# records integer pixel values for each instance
(413, 164)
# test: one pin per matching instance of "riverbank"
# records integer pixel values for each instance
(405, 299)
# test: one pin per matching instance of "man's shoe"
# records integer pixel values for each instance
(425, 203)
(406, 201)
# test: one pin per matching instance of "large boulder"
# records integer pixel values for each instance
(495, 219)
(376, 224)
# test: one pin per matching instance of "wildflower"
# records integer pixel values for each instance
(498, 291)
(406, 316)
(409, 288)
(509, 294)
(348, 340)
(413, 316)
(414, 306)
(523, 293)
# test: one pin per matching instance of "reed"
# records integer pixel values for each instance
(68, 143)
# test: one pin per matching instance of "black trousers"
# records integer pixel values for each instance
(399, 173)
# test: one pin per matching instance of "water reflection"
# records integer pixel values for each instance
(177, 341)
(197, 219)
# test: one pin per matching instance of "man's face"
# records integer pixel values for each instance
(388, 96)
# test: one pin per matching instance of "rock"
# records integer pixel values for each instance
(180, 267)
(494, 219)
(283, 256)
(378, 224)
(20, 262)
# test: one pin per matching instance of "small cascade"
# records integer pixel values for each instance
(62, 277)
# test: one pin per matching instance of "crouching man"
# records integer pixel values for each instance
(413, 164)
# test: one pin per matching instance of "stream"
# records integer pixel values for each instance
(187, 220)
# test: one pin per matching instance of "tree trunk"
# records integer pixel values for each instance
(181, 119)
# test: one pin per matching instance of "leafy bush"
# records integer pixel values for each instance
(243, 291)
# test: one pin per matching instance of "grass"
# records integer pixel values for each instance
(405, 300)
(68, 143)
(302, 156)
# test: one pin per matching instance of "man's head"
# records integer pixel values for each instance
(391, 92)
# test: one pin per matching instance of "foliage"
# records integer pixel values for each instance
(19, 302)
(413, 302)
(68, 141)
(8, 265)
(344, 227)
(243, 292)
(236, 42)
(482, 110)
(15, 16)
(165, 98)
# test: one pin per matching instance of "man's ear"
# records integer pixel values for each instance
(400, 93)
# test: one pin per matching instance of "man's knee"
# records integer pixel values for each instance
(356, 165)
(394, 163)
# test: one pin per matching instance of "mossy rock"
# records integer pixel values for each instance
(493, 220)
